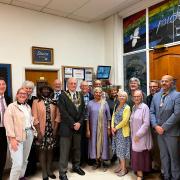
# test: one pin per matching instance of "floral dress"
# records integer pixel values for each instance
(120, 144)
(48, 141)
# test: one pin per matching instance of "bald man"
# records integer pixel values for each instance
(165, 119)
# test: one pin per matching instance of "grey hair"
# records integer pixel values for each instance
(135, 79)
(28, 84)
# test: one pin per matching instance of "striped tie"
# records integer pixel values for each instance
(2, 109)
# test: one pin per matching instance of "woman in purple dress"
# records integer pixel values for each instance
(140, 136)
(98, 128)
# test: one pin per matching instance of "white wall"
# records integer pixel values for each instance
(114, 48)
(74, 43)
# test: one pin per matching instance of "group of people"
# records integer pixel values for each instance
(87, 124)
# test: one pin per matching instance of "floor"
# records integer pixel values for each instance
(98, 174)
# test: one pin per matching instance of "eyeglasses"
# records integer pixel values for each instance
(165, 81)
(136, 96)
(153, 86)
(25, 94)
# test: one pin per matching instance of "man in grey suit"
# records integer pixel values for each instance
(165, 118)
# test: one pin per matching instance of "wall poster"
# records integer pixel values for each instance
(135, 66)
(134, 30)
(164, 23)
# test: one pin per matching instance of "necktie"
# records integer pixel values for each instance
(74, 97)
(57, 95)
(162, 99)
(2, 109)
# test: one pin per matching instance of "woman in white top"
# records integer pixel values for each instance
(18, 122)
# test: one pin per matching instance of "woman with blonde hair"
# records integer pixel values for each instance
(18, 122)
(121, 132)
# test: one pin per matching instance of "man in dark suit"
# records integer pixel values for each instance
(71, 105)
(4, 102)
(165, 118)
(84, 141)
(154, 87)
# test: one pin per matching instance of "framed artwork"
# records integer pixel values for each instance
(135, 66)
(164, 23)
(41, 55)
(5, 72)
(134, 32)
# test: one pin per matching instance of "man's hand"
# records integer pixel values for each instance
(77, 126)
(14, 144)
(159, 130)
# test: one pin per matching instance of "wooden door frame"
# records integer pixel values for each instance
(41, 69)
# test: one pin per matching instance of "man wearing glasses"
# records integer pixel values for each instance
(165, 119)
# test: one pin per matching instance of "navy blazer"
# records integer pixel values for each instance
(168, 116)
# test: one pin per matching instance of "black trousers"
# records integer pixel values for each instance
(69, 144)
(3, 150)
(84, 145)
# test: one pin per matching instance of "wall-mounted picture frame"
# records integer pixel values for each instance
(135, 66)
(42, 55)
(5, 72)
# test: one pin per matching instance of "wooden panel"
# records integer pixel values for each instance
(36, 75)
(166, 62)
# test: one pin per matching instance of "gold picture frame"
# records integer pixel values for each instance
(42, 55)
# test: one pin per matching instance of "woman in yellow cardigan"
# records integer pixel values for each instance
(121, 132)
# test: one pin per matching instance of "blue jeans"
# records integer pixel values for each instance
(20, 157)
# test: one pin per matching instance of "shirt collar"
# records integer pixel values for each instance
(1, 95)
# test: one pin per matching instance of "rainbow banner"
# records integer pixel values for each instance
(164, 23)
(134, 30)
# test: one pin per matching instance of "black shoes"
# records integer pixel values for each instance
(52, 176)
(63, 177)
(46, 178)
(79, 171)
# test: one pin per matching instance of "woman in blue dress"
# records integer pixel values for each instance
(97, 128)
(120, 130)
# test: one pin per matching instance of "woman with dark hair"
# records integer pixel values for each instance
(46, 119)
(98, 129)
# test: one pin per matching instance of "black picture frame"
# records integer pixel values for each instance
(42, 55)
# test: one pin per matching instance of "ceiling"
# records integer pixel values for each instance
(82, 10)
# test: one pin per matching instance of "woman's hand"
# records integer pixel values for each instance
(14, 144)
(88, 134)
(54, 133)
(113, 131)
(136, 139)
(109, 131)
(40, 137)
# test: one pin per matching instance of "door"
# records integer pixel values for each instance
(165, 61)
(41, 76)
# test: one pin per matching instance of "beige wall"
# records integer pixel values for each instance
(74, 43)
